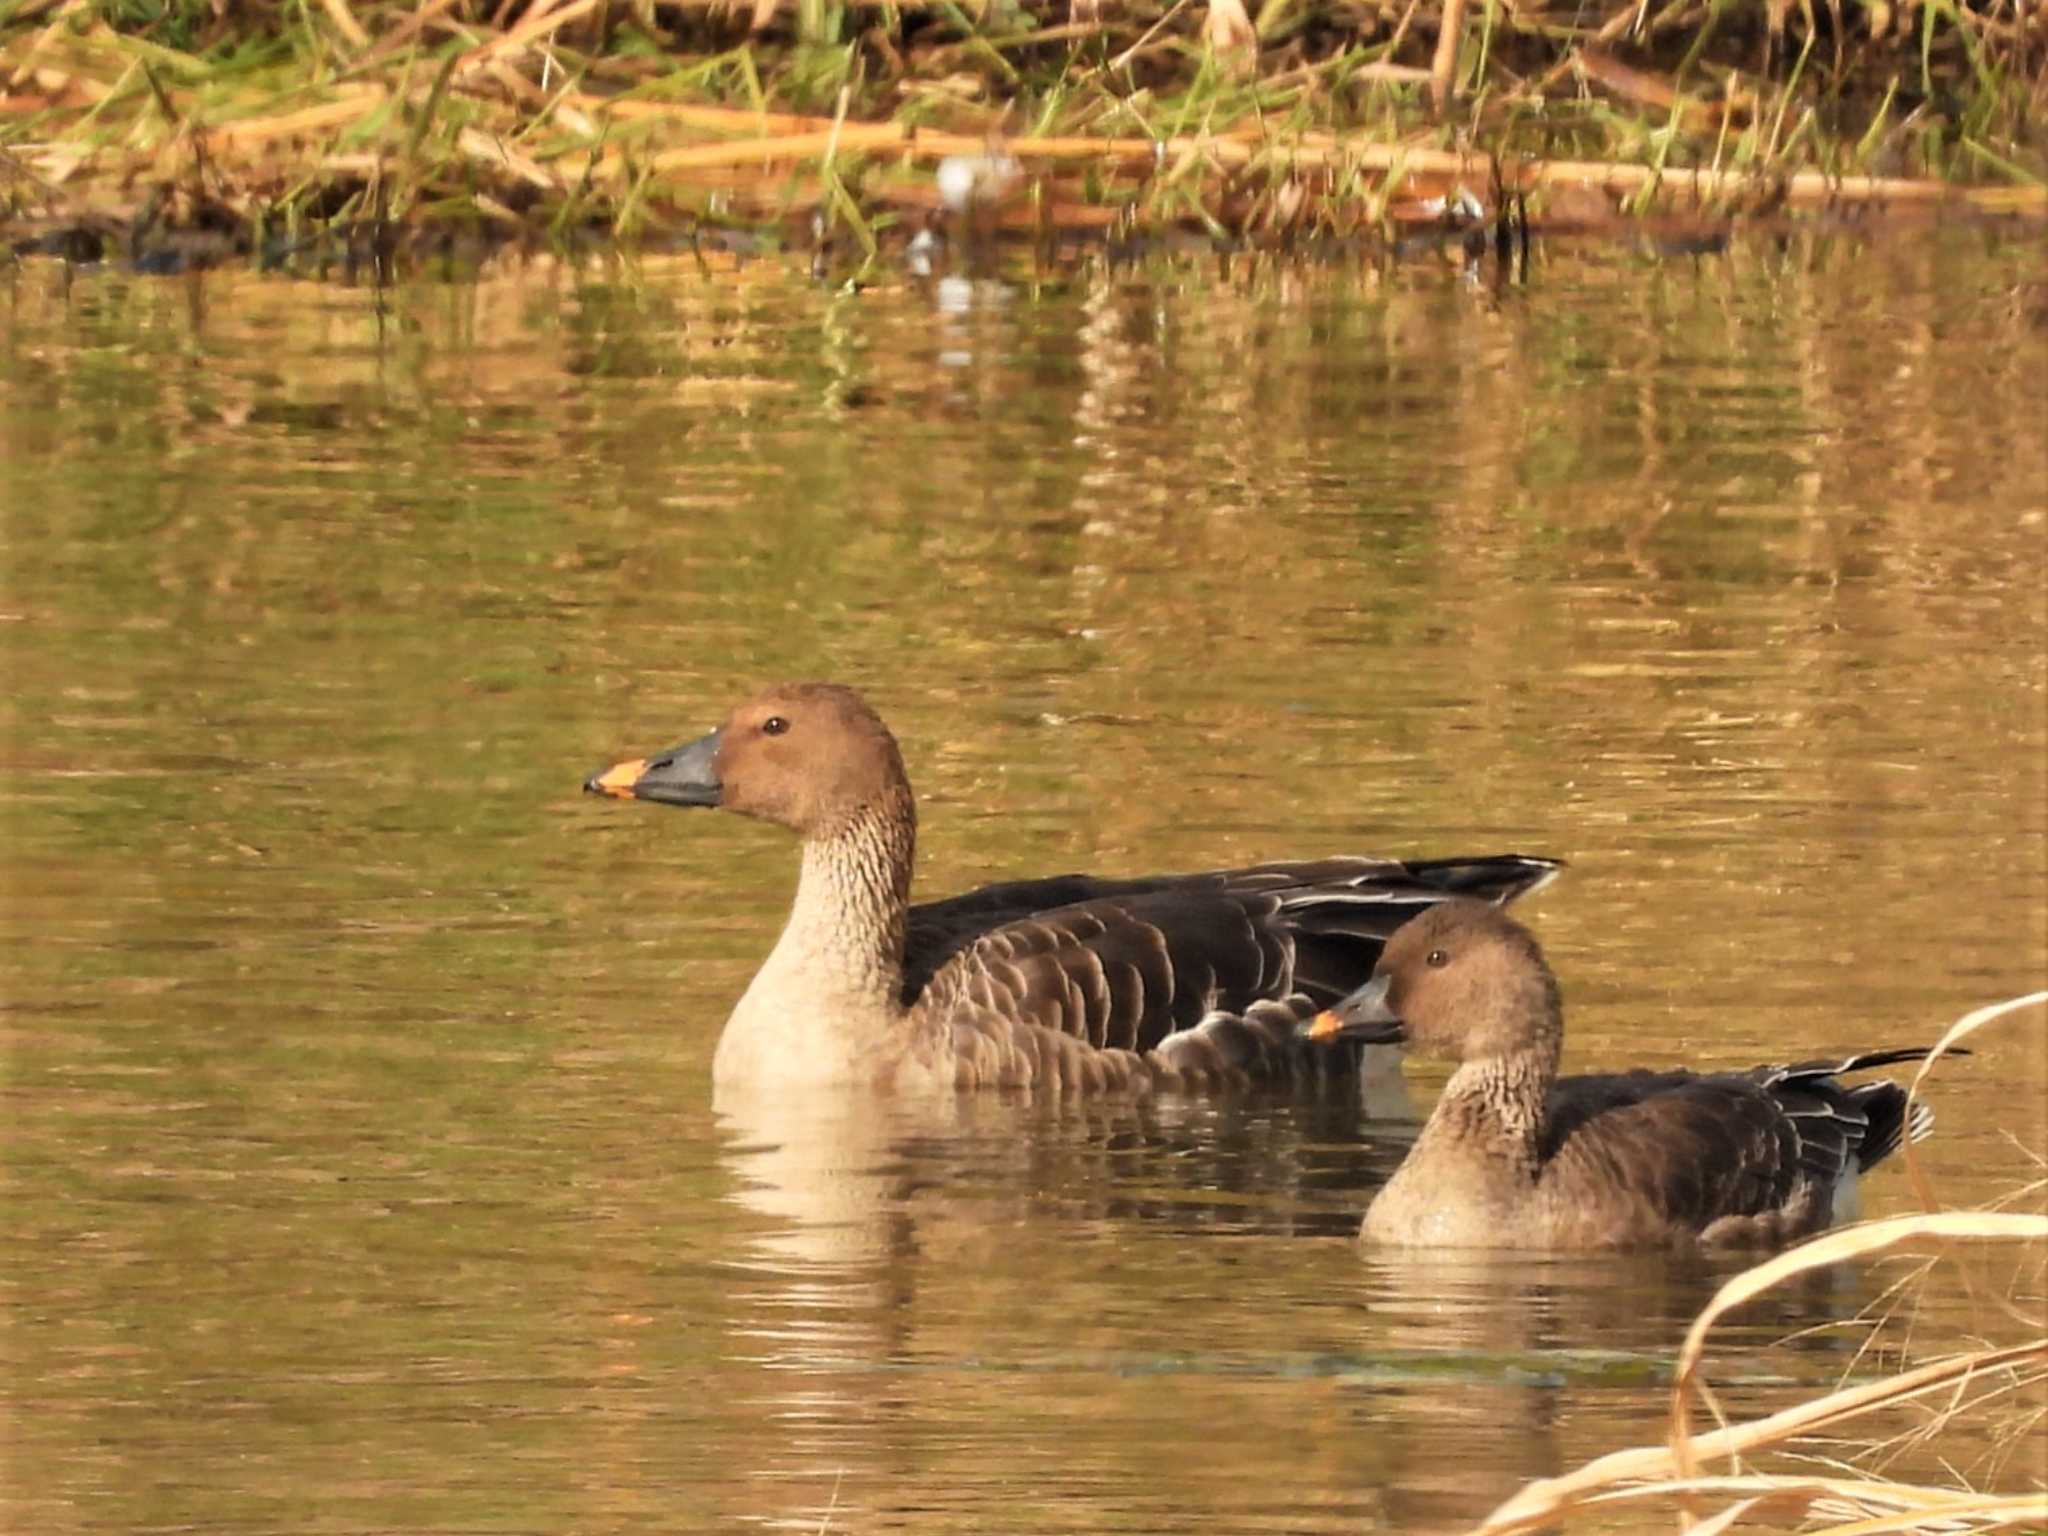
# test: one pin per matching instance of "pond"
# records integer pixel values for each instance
(363, 1168)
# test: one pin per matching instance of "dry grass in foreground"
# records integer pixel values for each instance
(1981, 1407)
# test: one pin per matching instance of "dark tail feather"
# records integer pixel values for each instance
(1884, 1107)
(1813, 1071)
(1888, 1115)
(1499, 878)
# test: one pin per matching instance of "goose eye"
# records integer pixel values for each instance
(774, 725)
(1439, 958)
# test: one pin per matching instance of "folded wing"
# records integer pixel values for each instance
(1732, 1156)
(1240, 956)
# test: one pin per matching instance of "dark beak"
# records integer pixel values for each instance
(685, 775)
(1363, 1016)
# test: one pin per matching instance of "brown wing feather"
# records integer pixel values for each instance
(1336, 895)
(1768, 1145)
(1139, 962)
(1685, 1150)
(1119, 974)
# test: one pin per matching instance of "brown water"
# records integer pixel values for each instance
(362, 1171)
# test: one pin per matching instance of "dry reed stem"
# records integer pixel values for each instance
(43, 39)
(344, 19)
(1655, 1467)
(264, 130)
(1123, 59)
(716, 119)
(1876, 1506)
(803, 137)
(483, 147)
(1829, 1248)
(1229, 31)
(1444, 66)
(402, 33)
(542, 21)
(1959, 1031)
(1224, 151)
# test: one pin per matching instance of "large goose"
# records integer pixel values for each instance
(1514, 1156)
(1070, 982)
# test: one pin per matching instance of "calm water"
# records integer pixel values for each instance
(362, 1170)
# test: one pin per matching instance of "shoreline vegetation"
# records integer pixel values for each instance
(187, 132)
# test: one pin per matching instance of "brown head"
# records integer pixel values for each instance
(1463, 981)
(812, 757)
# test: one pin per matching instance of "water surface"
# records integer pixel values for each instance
(363, 1171)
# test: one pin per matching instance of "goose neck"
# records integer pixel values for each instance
(846, 925)
(1499, 1102)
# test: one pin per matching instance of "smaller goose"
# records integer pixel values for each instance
(1071, 983)
(1515, 1156)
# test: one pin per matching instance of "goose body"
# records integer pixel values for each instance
(1515, 1156)
(1071, 982)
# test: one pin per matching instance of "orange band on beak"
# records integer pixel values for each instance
(1324, 1025)
(619, 779)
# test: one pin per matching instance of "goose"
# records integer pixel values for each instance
(1514, 1156)
(1067, 983)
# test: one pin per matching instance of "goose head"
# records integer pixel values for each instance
(1460, 982)
(812, 757)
